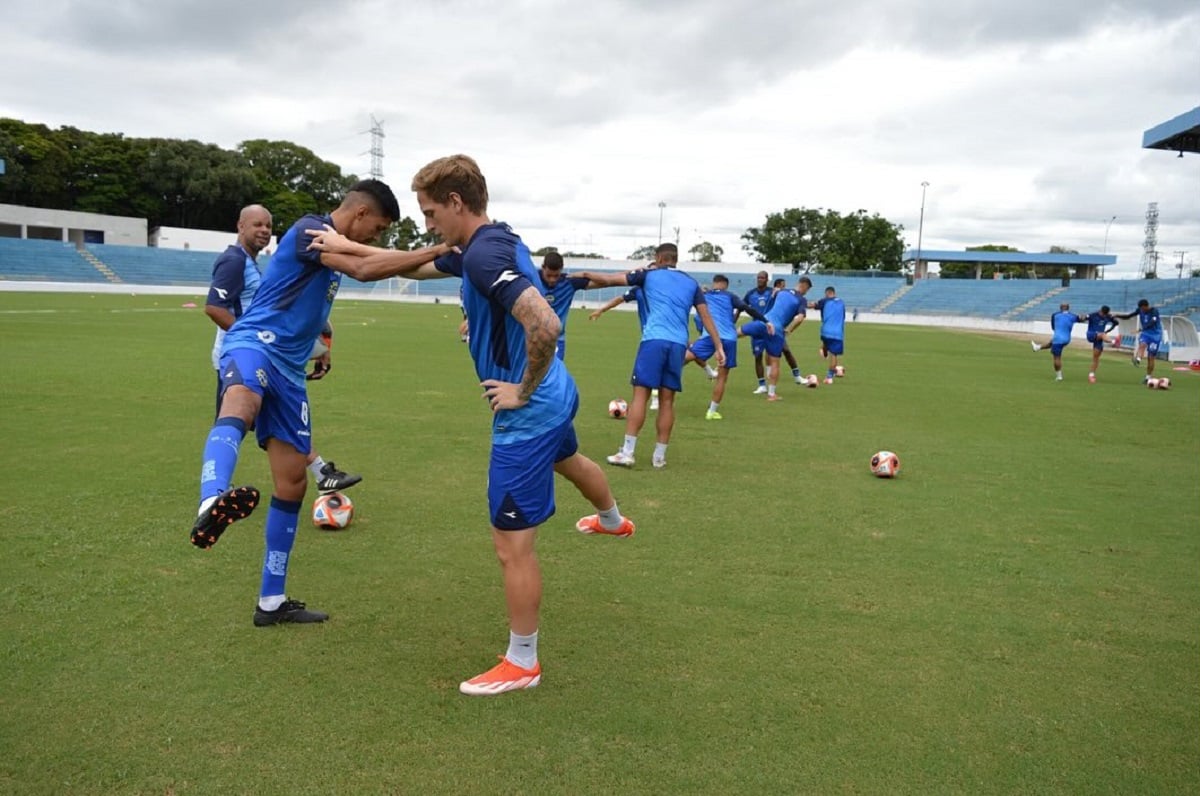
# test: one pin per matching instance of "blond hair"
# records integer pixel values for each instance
(458, 174)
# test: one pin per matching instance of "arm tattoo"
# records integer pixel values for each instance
(541, 337)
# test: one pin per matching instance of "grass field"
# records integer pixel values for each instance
(1017, 613)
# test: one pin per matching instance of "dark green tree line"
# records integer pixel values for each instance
(825, 240)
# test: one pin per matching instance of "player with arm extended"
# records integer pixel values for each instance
(833, 330)
(1100, 323)
(235, 280)
(669, 296)
(759, 297)
(782, 317)
(531, 394)
(1149, 335)
(263, 384)
(722, 306)
(559, 290)
(1061, 322)
(776, 286)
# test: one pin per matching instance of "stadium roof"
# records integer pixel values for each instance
(1011, 258)
(1181, 134)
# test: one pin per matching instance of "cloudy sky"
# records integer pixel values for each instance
(1025, 116)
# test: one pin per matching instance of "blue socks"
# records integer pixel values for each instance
(220, 456)
(282, 518)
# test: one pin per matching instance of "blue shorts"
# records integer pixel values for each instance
(1097, 340)
(703, 349)
(521, 477)
(1152, 342)
(773, 344)
(659, 364)
(833, 345)
(1057, 348)
(757, 346)
(284, 413)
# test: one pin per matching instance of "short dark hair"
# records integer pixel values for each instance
(721, 278)
(806, 281)
(1104, 310)
(667, 248)
(830, 289)
(1143, 303)
(379, 194)
(780, 282)
(553, 261)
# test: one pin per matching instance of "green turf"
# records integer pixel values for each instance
(1017, 613)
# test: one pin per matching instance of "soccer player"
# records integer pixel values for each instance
(1061, 322)
(262, 363)
(784, 314)
(235, 280)
(721, 306)
(669, 295)
(1149, 335)
(1099, 324)
(759, 297)
(833, 329)
(531, 394)
(776, 286)
(559, 290)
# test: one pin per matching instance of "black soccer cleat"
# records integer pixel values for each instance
(290, 611)
(229, 507)
(334, 480)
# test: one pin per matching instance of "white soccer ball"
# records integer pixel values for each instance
(332, 512)
(1164, 383)
(811, 381)
(617, 408)
(885, 464)
(839, 371)
(1152, 384)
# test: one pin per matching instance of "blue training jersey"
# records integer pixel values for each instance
(1099, 324)
(721, 305)
(784, 309)
(496, 267)
(292, 303)
(1062, 322)
(669, 296)
(560, 296)
(1150, 322)
(833, 318)
(759, 299)
(235, 280)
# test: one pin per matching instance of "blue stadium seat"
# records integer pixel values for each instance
(44, 261)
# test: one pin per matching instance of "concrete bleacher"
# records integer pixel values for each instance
(971, 297)
(1171, 296)
(24, 259)
(147, 265)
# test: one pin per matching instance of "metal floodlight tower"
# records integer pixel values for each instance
(1149, 268)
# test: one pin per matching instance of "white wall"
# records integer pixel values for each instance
(120, 230)
(197, 240)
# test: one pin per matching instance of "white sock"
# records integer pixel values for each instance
(630, 444)
(770, 389)
(522, 650)
(271, 602)
(712, 406)
(315, 467)
(610, 519)
(660, 451)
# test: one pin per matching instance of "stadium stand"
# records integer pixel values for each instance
(45, 261)
(145, 265)
(972, 297)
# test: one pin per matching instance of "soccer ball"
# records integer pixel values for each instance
(885, 464)
(332, 512)
(617, 408)
(323, 343)
(1159, 384)
(811, 381)
(839, 371)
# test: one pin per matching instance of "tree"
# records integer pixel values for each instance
(816, 239)
(705, 252)
(987, 270)
(292, 180)
(406, 235)
(643, 252)
(542, 252)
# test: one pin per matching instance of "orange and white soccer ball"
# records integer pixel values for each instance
(332, 512)
(811, 381)
(839, 371)
(885, 464)
(617, 408)
(1159, 384)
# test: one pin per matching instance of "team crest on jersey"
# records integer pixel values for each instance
(267, 336)
(550, 298)
(333, 289)
(262, 376)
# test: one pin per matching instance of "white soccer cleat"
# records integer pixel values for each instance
(658, 463)
(620, 459)
(760, 390)
(1035, 346)
(711, 371)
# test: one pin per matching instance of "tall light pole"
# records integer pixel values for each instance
(661, 207)
(920, 230)
(1107, 227)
